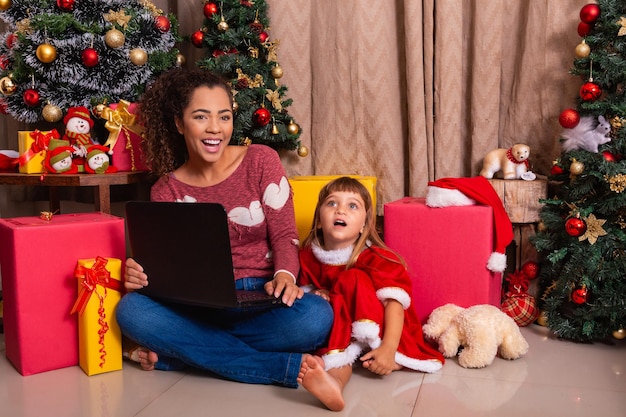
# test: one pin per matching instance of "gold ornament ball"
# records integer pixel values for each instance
(542, 320)
(52, 113)
(138, 56)
(180, 60)
(582, 50)
(619, 334)
(114, 38)
(303, 151)
(235, 106)
(293, 128)
(541, 226)
(576, 167)
(222, 26)
(7, 86)
(98, 109)
(5, 4)
(46, 53)
(277, 72)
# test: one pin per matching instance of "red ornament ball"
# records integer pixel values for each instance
(90, 57)
(10, 40)
(609, 157)
(3, 106)
(197, 38)
(263, 36)
(4, 62)
(31, 97)
(584, 29)
(590, 91)
(590, 13)
(569, 118)
(530, 269)
(65, 5)
(209, 10)
(261, 117)
(556, 170)
(580, 295)
(575, 226)
(162, 23)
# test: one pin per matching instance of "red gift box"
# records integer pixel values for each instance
(38, 260)
(446, 250)
(124, 136)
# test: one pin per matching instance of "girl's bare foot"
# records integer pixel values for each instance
(320, 383)
(144, 357)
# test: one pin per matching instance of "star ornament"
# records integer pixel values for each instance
(622, 23)
(594, 229)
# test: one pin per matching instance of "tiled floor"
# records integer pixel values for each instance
(556, 378)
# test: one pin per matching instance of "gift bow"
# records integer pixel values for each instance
(40, 143)
(518, 283)
(91, 277)
(118, 120)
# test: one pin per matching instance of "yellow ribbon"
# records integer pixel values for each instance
(119, 120)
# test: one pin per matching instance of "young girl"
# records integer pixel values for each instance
(345, 261)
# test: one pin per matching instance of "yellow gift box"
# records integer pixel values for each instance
(32, 146)
(306, 190)
(99, 336)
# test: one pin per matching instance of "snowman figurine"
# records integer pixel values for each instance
(98, 161)
(78, 125)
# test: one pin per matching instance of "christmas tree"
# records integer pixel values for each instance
(239, 47)
(59, 54)
(582, 234)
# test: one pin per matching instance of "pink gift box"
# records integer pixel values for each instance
(124, 137)
(446, 250)
(38, 258)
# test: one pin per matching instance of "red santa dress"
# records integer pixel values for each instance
(356, 296)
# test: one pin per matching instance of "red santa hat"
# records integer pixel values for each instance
(81, 112)
(446, 192)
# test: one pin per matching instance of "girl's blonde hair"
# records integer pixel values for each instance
(369, 236)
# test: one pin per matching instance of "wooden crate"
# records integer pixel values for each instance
(521, 198)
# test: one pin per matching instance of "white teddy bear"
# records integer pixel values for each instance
(482, 330)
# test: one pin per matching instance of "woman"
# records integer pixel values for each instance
(189, 122)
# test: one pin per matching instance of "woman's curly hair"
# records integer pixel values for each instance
(162, 103)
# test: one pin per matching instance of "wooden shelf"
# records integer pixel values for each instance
(100, 182)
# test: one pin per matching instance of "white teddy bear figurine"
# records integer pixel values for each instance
(513, 162)
(482, 330)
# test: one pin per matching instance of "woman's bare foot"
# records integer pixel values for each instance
(320, 383)
(143, 356)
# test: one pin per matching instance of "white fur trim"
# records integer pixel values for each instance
(332, 257)
(366, 332)
(428, 366)
(445, 197)
(343, 358)
(394, 293)
(497, 262)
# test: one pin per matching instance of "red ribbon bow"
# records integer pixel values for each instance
(96, 275)
(40, 143)
(518, 283)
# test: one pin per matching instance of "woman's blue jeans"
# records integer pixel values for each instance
(254, 346)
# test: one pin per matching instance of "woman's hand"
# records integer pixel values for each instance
(134, 277)
(283, 284)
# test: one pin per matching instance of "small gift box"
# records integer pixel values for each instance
(32, 147)
(99, 336)
(306, 190)
(124, 136)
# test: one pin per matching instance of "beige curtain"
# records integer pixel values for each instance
(414, 90)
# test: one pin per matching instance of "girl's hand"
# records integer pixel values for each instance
(381, 361)
(283, 284)
(134, 277)
(321, 292)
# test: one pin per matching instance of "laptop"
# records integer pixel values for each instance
(185, 250)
